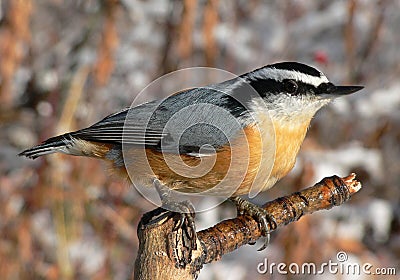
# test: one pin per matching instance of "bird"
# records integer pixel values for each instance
(224, 139)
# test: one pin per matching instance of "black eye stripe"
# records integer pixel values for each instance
(266, 87)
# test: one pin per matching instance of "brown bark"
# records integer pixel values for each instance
(164, 255)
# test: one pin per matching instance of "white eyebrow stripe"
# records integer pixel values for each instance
(281, 74)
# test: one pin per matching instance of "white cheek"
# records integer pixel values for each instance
(294, 108)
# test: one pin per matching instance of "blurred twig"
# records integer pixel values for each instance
(349, 35)
(14, 34)
(58, 173)
(373, 37)
(109, 42)
(185, 44)
(167, 63)
(209, 25)
(71, 104)
(365, 51)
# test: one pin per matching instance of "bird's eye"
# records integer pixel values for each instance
(291, 86)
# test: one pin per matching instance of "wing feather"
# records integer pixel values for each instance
(146, 124)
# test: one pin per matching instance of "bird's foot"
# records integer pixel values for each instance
(265, 221)
(183, 237)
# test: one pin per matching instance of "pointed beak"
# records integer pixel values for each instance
(332, 91)
(344, 90)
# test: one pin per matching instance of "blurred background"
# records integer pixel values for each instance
(66, 64)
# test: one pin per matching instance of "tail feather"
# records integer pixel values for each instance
(52, 145)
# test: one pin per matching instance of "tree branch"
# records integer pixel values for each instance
(164, 255)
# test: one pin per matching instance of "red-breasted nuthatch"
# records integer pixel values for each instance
(232, 119)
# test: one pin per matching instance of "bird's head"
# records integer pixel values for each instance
(291, 89)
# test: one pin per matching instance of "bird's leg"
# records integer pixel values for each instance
(265, 220)
(186, 213)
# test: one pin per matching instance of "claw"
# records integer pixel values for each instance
(267, 239)
(265, 221)
(184, 208)
(158, 218)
